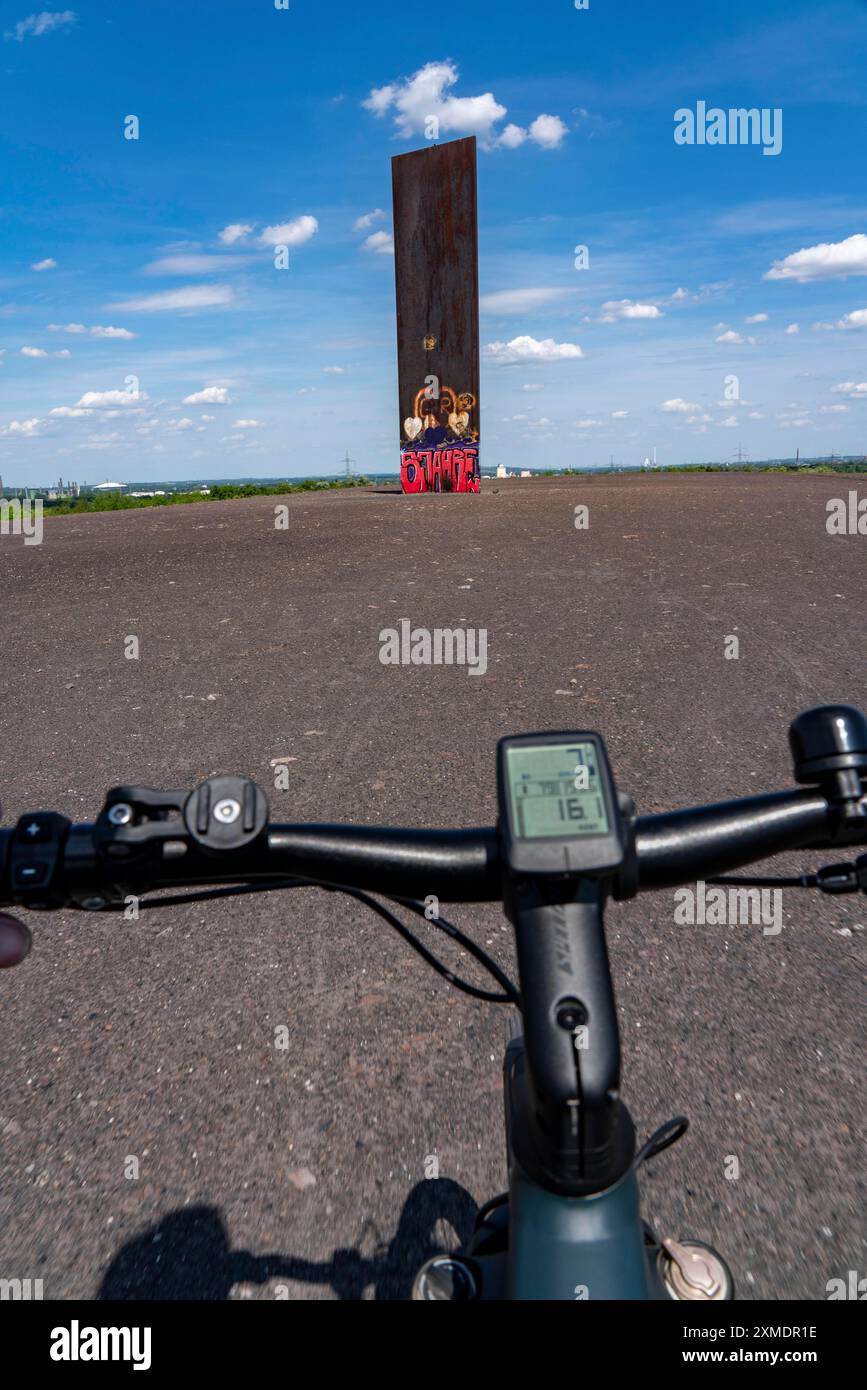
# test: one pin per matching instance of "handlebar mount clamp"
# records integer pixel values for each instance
(225, 814)
(221, 815)
(135, 821)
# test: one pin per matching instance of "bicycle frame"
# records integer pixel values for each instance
(565, 1248)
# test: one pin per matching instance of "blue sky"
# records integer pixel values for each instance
(128, 258)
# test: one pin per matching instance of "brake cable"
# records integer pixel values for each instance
(510, 993)
(510, 996)
(661, 1139)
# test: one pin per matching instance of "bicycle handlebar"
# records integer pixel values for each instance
(571, 1132)
(453, 865)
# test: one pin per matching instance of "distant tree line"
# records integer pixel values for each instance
(220, 492)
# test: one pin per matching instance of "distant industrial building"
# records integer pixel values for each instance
(62, 489)
(51, 494)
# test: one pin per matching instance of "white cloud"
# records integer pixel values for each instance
(756, 415)
(209, 395)
(619, 414)
(380, 242)
(730, 422)
(29, 428)
(416, 99)
(190, 297)
(184, 424)
(793, 328)
(857, 390)
(247, 425)
(64, 352)
(614, 309)
(588, 424)
(678, 406)
(72, 412)
(380, 99)
(367, 220)
(427, 94)
(519, 301)
(730, 337)
(334, 371)
(290, 233)
(47, 264)
(209, 418)
(236, 231)
(33, 352)
(833, 409)
(43, 23)
(97, 331)
(680, 294)
(188, 265)
(548, 132)
(827, 261)
(533, 386)
(526, 349)
(512, 137)
(857, 319)
(756, 318)
(100, 398)
(106, 331)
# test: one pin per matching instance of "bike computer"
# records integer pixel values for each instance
(559, 812)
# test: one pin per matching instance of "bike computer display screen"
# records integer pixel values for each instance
(555, 790)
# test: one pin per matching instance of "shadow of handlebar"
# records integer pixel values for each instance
(187, 1256)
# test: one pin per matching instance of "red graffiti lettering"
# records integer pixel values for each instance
(440, 470)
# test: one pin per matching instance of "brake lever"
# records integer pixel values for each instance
(831, 878)
(843, 878)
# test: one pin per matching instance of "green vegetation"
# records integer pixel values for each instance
(220, 492)
(839, 466)
(851, 466)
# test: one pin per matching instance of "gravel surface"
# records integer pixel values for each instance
(148, 1047)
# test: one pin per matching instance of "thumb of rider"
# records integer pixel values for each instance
(15, 941)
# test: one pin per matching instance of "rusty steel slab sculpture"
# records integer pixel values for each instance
(436, 266)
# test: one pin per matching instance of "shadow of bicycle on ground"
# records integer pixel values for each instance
(187, 1255)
